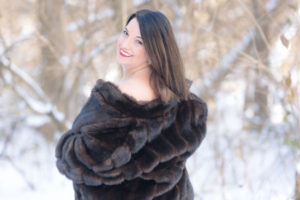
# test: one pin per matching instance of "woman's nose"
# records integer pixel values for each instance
(126, 43)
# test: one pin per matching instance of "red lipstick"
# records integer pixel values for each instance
(124, 53)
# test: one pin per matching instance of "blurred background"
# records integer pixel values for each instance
(242, 55)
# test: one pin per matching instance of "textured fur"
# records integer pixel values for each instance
(122, 149)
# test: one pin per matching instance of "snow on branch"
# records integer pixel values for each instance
(73, 26)
(20, 40)
(214, 79)
(229, 58)
(102, 46)
(100, 15)
(23, 76)
(41, 107)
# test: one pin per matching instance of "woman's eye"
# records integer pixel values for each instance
(125, 32)
(139, 42)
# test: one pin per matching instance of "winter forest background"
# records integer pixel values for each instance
(243, 56)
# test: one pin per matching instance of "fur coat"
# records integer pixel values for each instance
(122, 149)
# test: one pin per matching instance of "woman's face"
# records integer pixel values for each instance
(130, 47)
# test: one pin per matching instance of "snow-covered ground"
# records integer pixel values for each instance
(259, 170)
(29, 172)
(50, 186)
(235, 164)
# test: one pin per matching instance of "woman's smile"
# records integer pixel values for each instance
(124, 53)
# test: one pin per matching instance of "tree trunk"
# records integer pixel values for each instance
(52, 45)
(297, 187)
(257, 91)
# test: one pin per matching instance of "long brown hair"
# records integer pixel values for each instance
(167, 74)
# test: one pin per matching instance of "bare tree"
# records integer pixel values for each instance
(49, 15)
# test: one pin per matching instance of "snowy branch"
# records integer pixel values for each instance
(215, 78)
(102, 46)
(19, 41)
(4, 62)
(22, 173)
(73, 26)
(222, 68)
(39, 106)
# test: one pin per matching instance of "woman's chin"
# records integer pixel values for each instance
(123, 64)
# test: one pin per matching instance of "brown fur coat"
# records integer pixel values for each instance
(121, 149)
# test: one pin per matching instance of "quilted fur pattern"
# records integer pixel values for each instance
(122, 149)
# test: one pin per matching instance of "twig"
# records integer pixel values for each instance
(44, 106)
(259, 28)
(22, 173)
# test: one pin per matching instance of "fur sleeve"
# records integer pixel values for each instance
(105, 148)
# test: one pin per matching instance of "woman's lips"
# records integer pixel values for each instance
(124, 53)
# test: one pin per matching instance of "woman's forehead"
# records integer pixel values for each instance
(133, 27)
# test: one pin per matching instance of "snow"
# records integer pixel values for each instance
(228, 59)
(226, 62)
(280, 52)
(70, 2)
(102, 46)
(234, 164)
(81, 41)
(15, 188)
(73, 26)
(4, 61)
(100, 15)
(22, 74)
(64, 60)
(271, 5)
(36, 120)
(31, 174)
(57, 115)
(138, 2)
(295, 77)
(277, 113)
(39, 106)
(7, 77)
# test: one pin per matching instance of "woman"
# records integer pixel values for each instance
(132, 138)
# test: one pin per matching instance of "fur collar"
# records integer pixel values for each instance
(110, 94)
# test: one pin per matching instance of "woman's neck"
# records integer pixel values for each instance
(136, 73)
